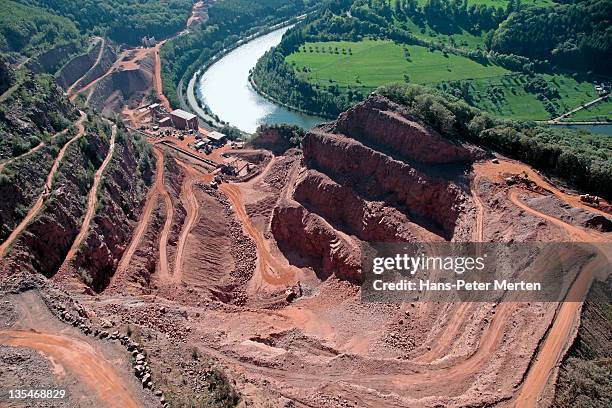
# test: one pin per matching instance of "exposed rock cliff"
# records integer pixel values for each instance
(376, 174)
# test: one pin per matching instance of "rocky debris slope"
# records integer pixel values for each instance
(125, 86)
(109, 56)
(375, 174)
(52, 60)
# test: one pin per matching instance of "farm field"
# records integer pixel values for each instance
(371, 63)
(507, 97)
(460, 39)
(368, 64)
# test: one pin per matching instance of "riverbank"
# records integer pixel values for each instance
(192, 100)
(285, 105)
(222, 88)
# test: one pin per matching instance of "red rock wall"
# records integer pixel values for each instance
(296, 229)
(377, 176)
(390, 128)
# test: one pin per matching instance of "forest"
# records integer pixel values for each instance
(507, 37)
(577, 35)
(29, 30)
(124, 21)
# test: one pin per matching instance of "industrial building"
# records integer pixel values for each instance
(216, 138)
(183, 120)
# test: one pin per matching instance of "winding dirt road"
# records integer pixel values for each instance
(158, 79)
(79, 357)
(164, 273)
(268, 268)
(102, 42)
(31, 151)
(150, 203)
(560, 333)
(47, 189)
(192, 206)
(92, 200)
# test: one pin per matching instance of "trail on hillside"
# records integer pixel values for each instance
(558, 337)
(88, 86)
(86, 363)
(559, 334)
(193, 207)
(31, 151)
(101, 40)
(567, 318)
(158, 79)
(92, 200)
(575, 233)
(47, 189)
(480, 212)
(6, 94)
(163, 238)
(268, 269)
(143, 223)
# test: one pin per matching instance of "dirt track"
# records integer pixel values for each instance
(150, 203)
(92, 199)
(158, 79)
(192, 206)
(70, 90)
(47, 190)
(560, 333)
(80, 358)
(268, 270)
(163, 239)
(31, 151)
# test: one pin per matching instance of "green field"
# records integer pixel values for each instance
(520, 104)
(461, 39)
(367, 64)
(370, 63)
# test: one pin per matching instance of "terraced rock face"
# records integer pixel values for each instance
(376, 174)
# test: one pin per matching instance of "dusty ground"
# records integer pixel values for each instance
(327, 348)
(201, 288)
(223, 294)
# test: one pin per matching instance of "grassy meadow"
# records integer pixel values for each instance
(371, 63)
(368, 64)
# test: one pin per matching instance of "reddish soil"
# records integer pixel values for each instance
(78, 357)
(226, 263)
(149, 206)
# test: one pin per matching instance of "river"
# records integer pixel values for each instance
(598, 129)
(225, 89)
